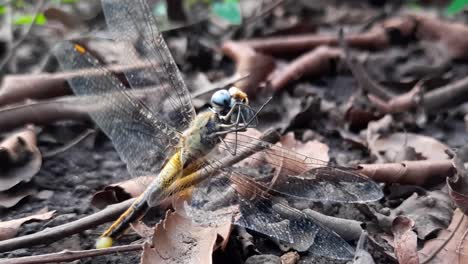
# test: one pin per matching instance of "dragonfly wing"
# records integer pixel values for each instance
(139, 138)
(216, 197)
(295, 175)
(132, 23)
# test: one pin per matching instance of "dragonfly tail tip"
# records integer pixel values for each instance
(104, 242)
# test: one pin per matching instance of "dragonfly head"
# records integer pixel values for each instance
(221, 101)
(233, 106)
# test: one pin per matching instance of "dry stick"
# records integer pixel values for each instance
(16, 45)
(67, 255)
(296, 44)
(400, 103)
(376, 38)
(19, 87)
(56, 233)
(42, 113)
(449, 95)
(62, 108)
(111, 212)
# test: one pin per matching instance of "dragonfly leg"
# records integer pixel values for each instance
(243, 126)
(227, 116)
(228, 148)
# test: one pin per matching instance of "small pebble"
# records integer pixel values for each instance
(263, 259)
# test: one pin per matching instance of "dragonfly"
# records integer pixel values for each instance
(149, 117)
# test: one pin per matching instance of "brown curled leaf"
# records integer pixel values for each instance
(419, 172)
(405, 240)
(258, 66)
(249, 62)
(317, 61)
(17, 88)
(20, 158)
(400, 103)
(48, 111)
(382, 35)
(9, 229)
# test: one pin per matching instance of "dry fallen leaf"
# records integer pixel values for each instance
(392, 147)
(405, 240)
(287, 162)
(121, 191)
(11, 197)
(458, 185)
(20, 158)
(9, 229)
(179, 240)
(430, 212)
(313, 149)
(449, 245)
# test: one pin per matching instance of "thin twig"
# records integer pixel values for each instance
(70, 144)
(67, 255)
(53, 234)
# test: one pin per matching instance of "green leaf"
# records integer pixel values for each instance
(228, 10)
(28, 19)
(455, 7)
(3, 9)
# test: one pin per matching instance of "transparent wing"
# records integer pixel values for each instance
(295, 175)
(263, 213)
(254, 193)
(141, 140)
(132, 23)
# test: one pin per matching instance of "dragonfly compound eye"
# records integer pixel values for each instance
(221, 99)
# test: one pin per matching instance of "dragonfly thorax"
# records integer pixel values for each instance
(199, 139)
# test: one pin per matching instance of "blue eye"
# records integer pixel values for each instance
(221, 98)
